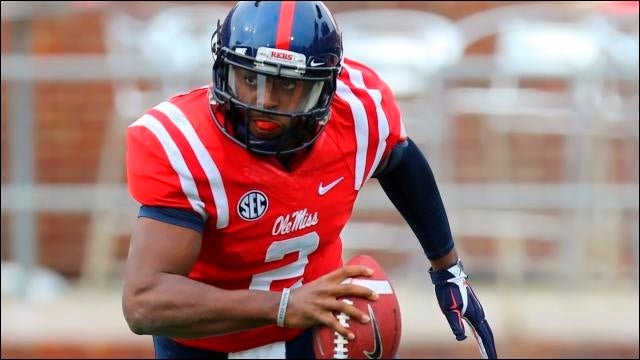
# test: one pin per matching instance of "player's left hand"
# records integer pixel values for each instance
(458, 301)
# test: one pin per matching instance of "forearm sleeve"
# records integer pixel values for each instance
(410, 185)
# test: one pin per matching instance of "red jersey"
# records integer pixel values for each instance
(265, 228)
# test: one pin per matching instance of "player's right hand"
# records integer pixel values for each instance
(314, 303)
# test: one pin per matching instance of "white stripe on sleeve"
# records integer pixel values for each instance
(204, 157)
(383, 123)
(177, 161)
(361, 127)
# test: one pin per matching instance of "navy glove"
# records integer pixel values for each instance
(458, 301)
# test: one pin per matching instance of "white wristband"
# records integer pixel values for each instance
(282, 309)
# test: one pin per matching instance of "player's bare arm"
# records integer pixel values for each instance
(160, 299)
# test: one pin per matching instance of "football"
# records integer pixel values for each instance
(380, 337)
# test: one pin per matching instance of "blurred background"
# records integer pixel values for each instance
(527, 112)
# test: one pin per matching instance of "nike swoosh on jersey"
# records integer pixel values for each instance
(324, 189)
(377, 345)
(314, 63)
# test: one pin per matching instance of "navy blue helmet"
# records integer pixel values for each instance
(275, 69)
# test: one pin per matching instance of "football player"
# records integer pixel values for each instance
(246, 184)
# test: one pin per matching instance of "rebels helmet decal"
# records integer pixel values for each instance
(253, 205)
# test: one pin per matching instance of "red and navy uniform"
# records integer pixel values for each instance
(265, 228)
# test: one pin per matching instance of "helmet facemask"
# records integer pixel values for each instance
(274, 102)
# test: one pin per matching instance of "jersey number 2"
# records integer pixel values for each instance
(303, 245)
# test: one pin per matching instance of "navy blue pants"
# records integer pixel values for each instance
(300, 347)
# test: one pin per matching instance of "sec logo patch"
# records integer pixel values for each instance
(253, 205)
